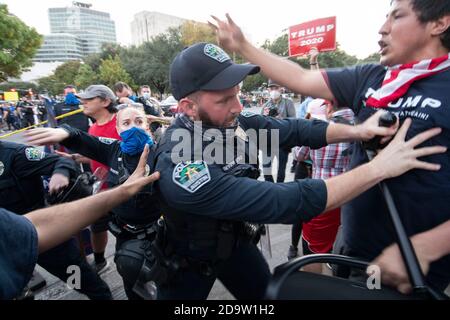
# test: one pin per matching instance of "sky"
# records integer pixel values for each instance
(358, 21)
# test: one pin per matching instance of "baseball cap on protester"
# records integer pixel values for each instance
(97, 90)
(205, 66)
(273, 84)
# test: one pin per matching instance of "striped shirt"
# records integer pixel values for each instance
(331, 160)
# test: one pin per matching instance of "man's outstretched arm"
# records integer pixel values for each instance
(281, 70)
(58, 223)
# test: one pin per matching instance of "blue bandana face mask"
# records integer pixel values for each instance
(134, 141)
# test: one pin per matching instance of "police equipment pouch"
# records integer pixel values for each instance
(157, 268)
(253, 231)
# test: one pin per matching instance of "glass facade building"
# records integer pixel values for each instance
(75, 32)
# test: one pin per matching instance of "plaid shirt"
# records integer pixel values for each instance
(331, 160)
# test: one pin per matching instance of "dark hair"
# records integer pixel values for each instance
(111, 107)
(432, 10)
(119, 86)
(144, 87)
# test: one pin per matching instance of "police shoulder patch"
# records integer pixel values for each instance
(34, 154)
(248, 114)
(2, 168)
(191, 176)
(106, 140)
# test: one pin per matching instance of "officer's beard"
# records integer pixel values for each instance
(208, 122)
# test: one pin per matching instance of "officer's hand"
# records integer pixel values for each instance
(392, 268)
(141, 176)
(371, 128)
(400, 156)
(78, 158)
(266, 111)
(45, 136)
(229, 35)
(57, 182)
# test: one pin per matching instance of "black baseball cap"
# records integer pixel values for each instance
(205, 66)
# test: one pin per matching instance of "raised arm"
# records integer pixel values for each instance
(281, 70)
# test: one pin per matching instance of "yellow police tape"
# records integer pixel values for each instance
(162, 121)
(42, 123)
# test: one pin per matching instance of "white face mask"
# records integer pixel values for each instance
(275, 94)
(146, 95)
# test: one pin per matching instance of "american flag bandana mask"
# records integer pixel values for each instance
(399, 78)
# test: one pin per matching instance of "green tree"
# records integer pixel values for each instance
(7, 86)
(107, 50)
(373, 58)
(279, 46)
(64, 75)
(150, 63)
(50, 84)
(193, 32)
(18, 44)
(111, 71)
(86, 76)
(67, 72)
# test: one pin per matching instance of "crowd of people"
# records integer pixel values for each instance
(185, 196)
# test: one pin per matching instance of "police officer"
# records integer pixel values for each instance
(206, 195)
(133, 221)
(21, 191)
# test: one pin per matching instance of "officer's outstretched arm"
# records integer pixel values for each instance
(288, 132)
(97, 148)
(30, 161)
(204, 189)
(397, 158)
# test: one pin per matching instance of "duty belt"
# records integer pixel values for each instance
(120, 228)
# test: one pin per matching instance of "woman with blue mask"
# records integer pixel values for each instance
(133, 221)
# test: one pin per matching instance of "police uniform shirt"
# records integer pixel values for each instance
(18, 253)
(21, 168)
(140, 209)
(422, 197)
(209, 190)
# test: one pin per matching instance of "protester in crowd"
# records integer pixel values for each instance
(124, 93)
(320, 232)
(280, 108)
(98, 104)
(412, 81)
(71, 103)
